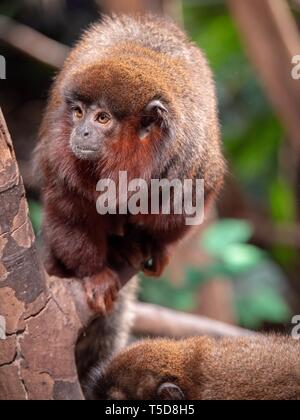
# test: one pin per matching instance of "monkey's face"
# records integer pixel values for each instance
(118, 117)
(97, 132)
(152, 370)
(93, 126)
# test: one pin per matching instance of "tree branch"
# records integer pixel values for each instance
(161, 322)
(32, 43)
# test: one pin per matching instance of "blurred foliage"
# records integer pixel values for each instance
(257, 282)
(251, 133)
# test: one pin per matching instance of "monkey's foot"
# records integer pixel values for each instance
(102, 291)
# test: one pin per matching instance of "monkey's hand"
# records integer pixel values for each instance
(148, 256)
(141, 253)
(102, 291)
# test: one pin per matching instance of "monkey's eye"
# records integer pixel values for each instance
(78, 113)
(103, 118)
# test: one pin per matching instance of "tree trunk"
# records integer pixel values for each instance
(38, 315)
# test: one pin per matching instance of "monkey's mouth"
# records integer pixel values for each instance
(86, 153)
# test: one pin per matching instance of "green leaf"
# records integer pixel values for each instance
(219, 236)
(166, 294)
(221, 27)
(249, 165)
(282, 201)
(267, 305)
(35, 212)
(241, 257)
(286, 256)
(196, 277)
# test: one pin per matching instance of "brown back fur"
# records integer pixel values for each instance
(256, 368)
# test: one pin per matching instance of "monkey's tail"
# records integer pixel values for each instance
(104, 337)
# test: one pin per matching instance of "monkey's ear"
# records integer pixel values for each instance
(170, 392)
(156, 114)
(156, 106)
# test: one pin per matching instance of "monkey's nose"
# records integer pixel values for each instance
(86, 134)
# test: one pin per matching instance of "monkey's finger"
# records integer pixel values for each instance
(96, 302)
(106, 297)
(94, 298)
(110, 299)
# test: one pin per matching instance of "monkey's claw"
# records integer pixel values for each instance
(102, 291)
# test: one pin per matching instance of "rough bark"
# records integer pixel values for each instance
(39, 317)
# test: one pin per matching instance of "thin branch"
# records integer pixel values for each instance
(161, 322)
(32, 43)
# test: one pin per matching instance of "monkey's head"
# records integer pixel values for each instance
(117, 113)
(151, 370)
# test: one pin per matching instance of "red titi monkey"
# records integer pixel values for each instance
(134, 95)
(253, 368)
